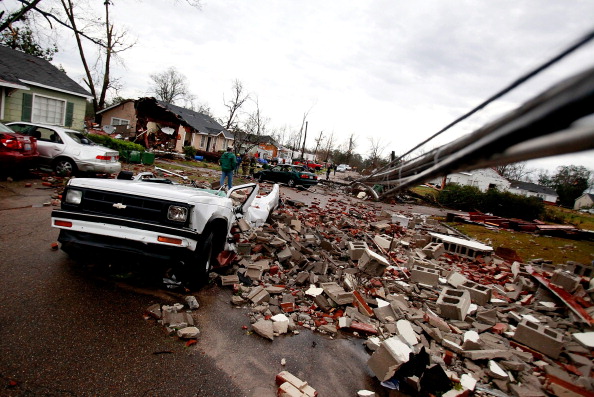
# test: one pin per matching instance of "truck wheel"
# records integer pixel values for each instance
(202, 265)
(291, 183)
(205, 258)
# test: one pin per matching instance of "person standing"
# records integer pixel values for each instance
(252, 166)
(228, 162)
(328, 168)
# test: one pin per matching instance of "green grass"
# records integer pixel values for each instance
(529, 246)
(428, 192)
(578, 219)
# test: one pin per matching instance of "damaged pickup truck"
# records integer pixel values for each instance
(152, 218)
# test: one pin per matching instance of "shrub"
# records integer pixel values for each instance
(190, 151)
(124, 147)
(504, 204)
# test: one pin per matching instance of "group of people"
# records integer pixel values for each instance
(231, 163)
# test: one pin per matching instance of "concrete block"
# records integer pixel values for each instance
(372, 264)
(540, 338)
(264, 328)
(337, 293)
(453, 303)
(356, 249)
(385, 314)
(405, 330)
(284, 255)
(569, 282)
(386, 242)
(456, 279)
(259, 295)
(479, 294)
(390, 356)
(229, 280)
(188, 333)
(244, 248)
(424, 275)
(434, 250)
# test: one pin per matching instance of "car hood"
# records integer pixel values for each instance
(147, 189)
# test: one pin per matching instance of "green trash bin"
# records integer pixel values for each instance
(134, 157)
(148, 158)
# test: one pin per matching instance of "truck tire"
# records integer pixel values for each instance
(205, 258)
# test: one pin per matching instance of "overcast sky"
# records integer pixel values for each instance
(395, 71)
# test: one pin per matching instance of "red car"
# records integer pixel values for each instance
(17, 152)
(309, 164)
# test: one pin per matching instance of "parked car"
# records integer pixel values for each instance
(69, 151)
(309, 164)
(292, 175)
(18, 152)
(148, 217)
(341, 168)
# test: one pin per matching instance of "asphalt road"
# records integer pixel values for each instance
(71, 329)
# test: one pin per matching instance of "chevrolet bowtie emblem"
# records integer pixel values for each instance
(119, 206)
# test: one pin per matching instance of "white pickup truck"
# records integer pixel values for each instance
(148, 218)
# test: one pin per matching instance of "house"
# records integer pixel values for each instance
(32, 89)
(264, 145)
(163, 125)
(483, 179)
(528, 189)
(120, 119)
(586, 200)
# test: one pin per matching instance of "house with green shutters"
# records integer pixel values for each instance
(32, 89)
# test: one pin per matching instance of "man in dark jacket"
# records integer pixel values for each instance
(228, 162)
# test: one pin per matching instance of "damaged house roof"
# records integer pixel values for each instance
(196, 120)
(20, 70)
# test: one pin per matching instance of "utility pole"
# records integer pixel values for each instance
(304, 138)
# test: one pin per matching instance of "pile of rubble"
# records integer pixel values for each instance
(440, 314)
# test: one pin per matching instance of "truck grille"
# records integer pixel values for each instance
(127, 206)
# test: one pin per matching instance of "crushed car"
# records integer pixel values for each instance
(146, 216)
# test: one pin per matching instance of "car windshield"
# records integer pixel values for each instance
(79, 138)
(299, 169)
(4, 128)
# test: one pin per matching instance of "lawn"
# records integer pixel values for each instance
(530, 246)
(578, 219)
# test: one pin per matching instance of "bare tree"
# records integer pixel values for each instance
(319, 140)
(376, 150)
(515, 171)
(98, 78)
(170, 86)
(350, 147)
(329, 147)
(238, 99)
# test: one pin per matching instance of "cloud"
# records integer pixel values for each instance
(399, 70)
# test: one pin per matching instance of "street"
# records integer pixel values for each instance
(68, 329)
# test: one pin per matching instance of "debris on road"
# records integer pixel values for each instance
(440, 314)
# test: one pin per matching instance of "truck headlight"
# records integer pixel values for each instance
(74, 196)
(177, 213)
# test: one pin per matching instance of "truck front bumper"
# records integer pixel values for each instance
(86, 231)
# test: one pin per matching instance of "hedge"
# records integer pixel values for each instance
(117, 144)
(504, 204)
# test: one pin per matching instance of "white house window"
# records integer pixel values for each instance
(48, 110)
(116, 121)
(202, 140)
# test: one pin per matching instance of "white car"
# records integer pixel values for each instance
(68, 151)
(342, 168)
